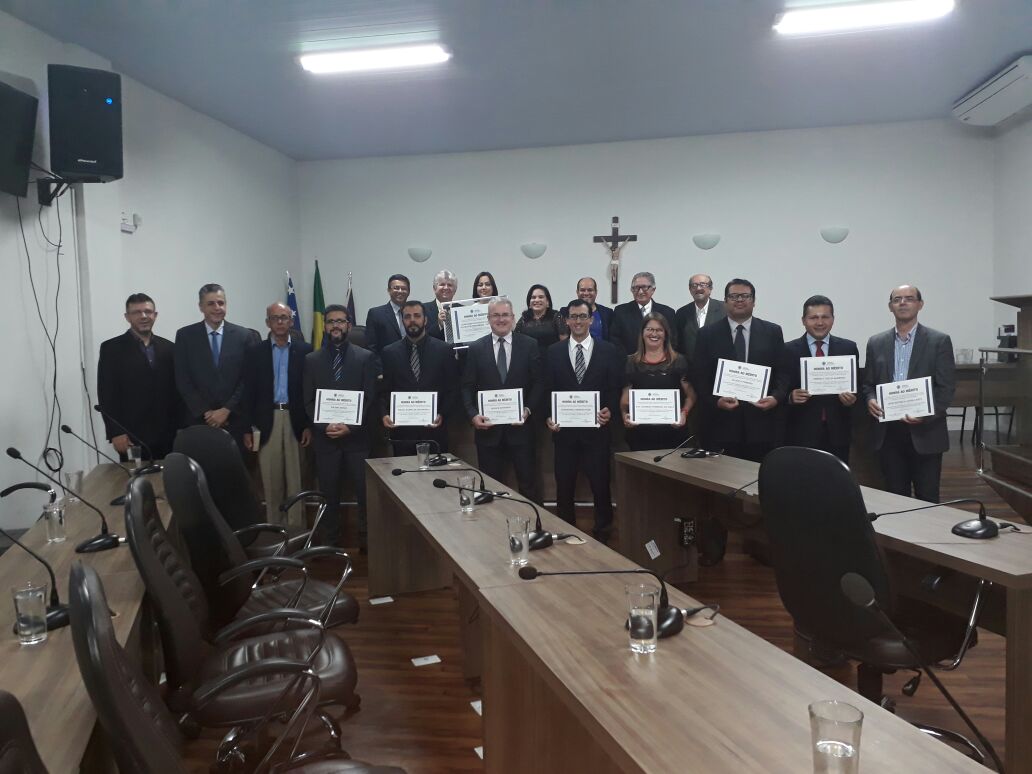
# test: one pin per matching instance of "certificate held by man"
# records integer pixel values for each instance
(334, 407)
(828, 375)
(909, 398)
(467, 320)
(655, 407)
(741, 381)
(413, 409)
(501, 407)
(577, 408)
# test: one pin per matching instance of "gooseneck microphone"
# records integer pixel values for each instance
(57, 614)
(120, 500)
(102, 542)
(859, 591)
(976, 529)
(30, 485)
(485, 495)
(154, 467)
(537, 539)
(661, 457)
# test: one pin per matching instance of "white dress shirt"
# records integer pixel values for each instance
(587, 344)
(734, 330)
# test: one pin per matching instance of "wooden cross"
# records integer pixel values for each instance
(615, 242)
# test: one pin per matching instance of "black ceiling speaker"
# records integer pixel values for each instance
(85, 124)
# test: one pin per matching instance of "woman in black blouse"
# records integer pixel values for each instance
(540, 321)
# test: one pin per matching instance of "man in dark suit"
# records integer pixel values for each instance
(418, 363)
(584, 363)
(383, 324)
(625, 326)
(701, 312)
(210, 366)
(601, 316)
(504, 360)
(910, 450)
(340, 449)
(136, 383)
(274, 375)
(445, 285)
(819, 421)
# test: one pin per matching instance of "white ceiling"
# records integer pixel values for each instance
(533, 72)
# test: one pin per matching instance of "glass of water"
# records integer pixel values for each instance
(466, 482)
(30, 612)
(73, 483)
(642, 602)
(519, 539)
(135, 453)
(54, 518)
(423, 455)
(835, 729)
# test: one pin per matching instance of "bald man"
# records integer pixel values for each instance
(274, 376)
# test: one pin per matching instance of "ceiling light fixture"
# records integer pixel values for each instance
(365, 60)
(846, 17)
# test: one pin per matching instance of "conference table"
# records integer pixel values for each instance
(918, 545)
(45, 677)
(561, 690)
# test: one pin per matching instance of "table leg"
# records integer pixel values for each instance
(1019, 681)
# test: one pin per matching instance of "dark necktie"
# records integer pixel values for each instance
(401, 323)
(643, 310)
(819, 347)
(580, 366)
(503, 361)
(739, 343)
(414, 362)
(338, 364)
(216, 347)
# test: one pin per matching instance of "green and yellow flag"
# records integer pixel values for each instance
(318, 308)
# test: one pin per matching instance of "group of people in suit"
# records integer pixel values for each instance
(226, 376)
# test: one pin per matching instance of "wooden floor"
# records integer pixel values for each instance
(420, 718)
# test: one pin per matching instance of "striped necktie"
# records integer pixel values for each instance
(338, 364)
(580, 366)
(414, 361)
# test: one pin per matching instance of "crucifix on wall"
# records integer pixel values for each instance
(615, 242)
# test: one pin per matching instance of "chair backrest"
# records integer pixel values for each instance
(18, 753)
(179, 600)
(228, 480)
(143, 733)
(210, 543)
(818, 530)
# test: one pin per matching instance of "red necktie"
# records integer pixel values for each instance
(820, 353)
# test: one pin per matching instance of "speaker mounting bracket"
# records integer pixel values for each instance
(48, 189)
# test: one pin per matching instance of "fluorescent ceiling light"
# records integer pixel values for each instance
(846, 17)
(383, 58)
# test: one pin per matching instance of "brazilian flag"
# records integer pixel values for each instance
(318, 309)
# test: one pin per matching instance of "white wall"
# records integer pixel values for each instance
(216, 206)
(1013, 212)
(917, 197)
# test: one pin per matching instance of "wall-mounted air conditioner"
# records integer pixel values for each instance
(1006, 93)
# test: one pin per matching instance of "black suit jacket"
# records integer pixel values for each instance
(604, 313)
(605, 373)
(438, 372)
(804, 419)
(201, 385)
(745, 424)
(433, 326)
(261, 385)
(361, 369)
(142, 398)
(625, 326)
(687, 327)
(481, 373)
(381, 328)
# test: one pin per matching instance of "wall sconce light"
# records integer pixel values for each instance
(834, 234)
(533, 250)
(706, 241)
(419, 254)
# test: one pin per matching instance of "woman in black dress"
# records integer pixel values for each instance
(655, 366)
(540, 321)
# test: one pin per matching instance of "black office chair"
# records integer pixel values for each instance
(215, 549)
(819, 529)
(144, 736)
(18, 754)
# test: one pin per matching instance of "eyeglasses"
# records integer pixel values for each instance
(700, 284)
(580, 317)
(654, 331)
(739, 296)
(500, 315)
(901, 299)
(281, 318)
(335, 323)
(641, 288)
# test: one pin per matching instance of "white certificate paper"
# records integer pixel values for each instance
(909, 398)
(467, 320)
(339, 406)
(743, 381)
(501, 407)
(413, 409)
(828, 375)
(655, 407)
(578, 408)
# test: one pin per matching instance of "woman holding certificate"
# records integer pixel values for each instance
(657, 395)
(540, 321)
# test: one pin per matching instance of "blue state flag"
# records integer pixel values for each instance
(292, 303)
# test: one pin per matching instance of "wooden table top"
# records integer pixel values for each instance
(1006, 560)
(45, 678)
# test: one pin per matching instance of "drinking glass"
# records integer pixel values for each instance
(73, 482)
(423, 455)
(135, 453)
(466, 482)
(30, 612)
(642, 602)
(835, 730)
(519, 539)
(54, 518)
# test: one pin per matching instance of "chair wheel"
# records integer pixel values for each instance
(888, 703)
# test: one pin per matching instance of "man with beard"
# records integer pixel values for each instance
(340, 449)
(418, 363)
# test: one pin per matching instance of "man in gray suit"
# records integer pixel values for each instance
(701, 312)
(910, 450)
(209, 364)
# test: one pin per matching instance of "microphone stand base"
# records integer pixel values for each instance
(538, 540)
(57, 617)
(120, 500)
(101, 542)
(484, 497)
(976, 529)
(154, 468)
